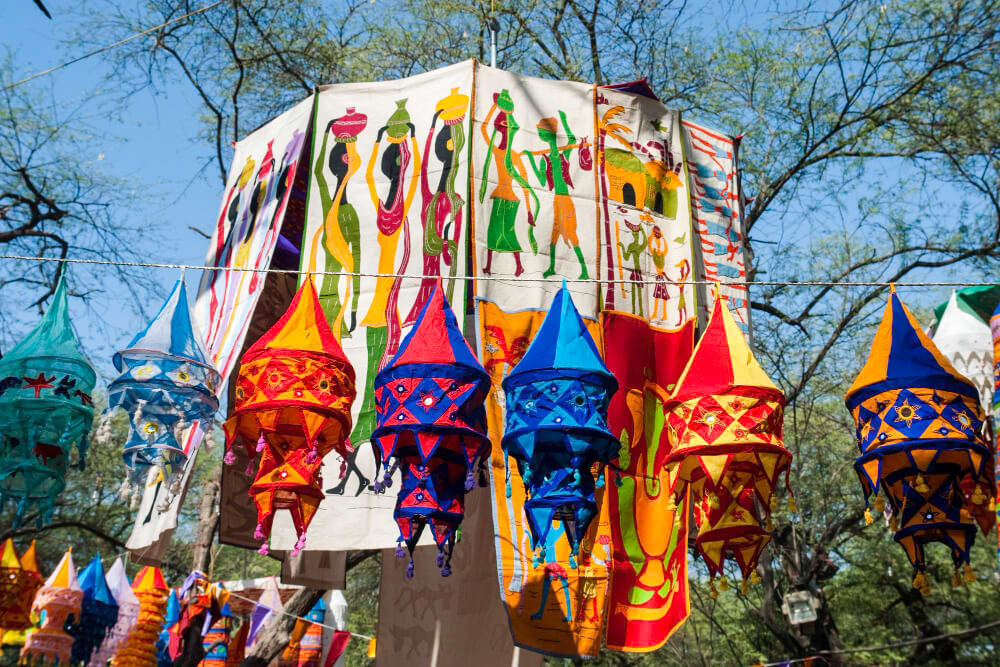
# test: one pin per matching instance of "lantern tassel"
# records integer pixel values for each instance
(970, 574)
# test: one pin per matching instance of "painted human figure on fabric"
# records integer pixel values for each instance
(341, 228)
(632, 253)
(501, 235)
(441, 208)
(553, 171)
(400, 165)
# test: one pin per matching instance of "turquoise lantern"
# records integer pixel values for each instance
(45, 410)
(166, 385)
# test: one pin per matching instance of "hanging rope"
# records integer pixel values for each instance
(502, 279)
(111, 46)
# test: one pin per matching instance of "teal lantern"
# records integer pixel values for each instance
(45, 410)
(166, 385)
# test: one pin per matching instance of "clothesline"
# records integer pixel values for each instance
(282, 611)
(503, 278)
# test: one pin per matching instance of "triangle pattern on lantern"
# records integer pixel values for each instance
(556, 424)
(45, 410)
(430, 412)
(294, 393)
(921, 442)
(724, 425)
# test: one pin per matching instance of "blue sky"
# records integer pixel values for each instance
(153, 149)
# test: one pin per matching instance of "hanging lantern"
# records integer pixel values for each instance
(724, 424)
(293, 405)
(139, 647)
(305, 646)
(216, 640)
(19, 581)
(556, 425)
(128, 612)
(431, 419)
(166, 385)
(920, 431)
(45, 409)
(98, 613)
(59, 599)
(170, 619)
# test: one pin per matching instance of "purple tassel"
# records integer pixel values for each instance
(377, 487)
(312, 456)
(343, 468)
(440, 558)
(400, 553)
(230, 458)
(263, 549)
(446, 570)
(299, 545)
(261, 442)
(258, 532)
(470, 480)
(409, 570)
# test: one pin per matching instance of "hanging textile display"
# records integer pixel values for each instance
(549, 608)
(431, 421)
(965, 339)
(724, 424)
(216, 640)
(921, 439)
(305, 645)
(58, 601)
(717, 214)
(388, 194)
(19, 581)
(644, 208)
(556, 426)
(128, 612)
(648, 596)
(293, 406)
(98, 612)
(170, 619)
(166, 385)
(237, 645)
(138, 649)
(45, 410)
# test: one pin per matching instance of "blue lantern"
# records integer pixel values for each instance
(99, 612)
(556, 424)
(45, 409)
(167, 384)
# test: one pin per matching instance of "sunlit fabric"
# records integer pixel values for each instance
(128, 612)
(98, 612)
(431, 419)
(19, 581)
(556, 425)
(293, 406)
(45, 410)
(305, 646)
(56, 603)
(166, 385)
(920, 431)
(216, 640)
(724, 423)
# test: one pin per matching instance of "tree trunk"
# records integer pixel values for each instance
(208, 521)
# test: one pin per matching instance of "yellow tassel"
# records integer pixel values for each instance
(919, 581)
(879, 504)
(774, 502)
(713, 501)
(754, 578)
(993, 504)
(978, 497)
(723, 584)
(920, 485)
(671, 504)
(744, 587)
(792, 507)
(893, 523)
(712, 592)
(970, 574)
(956, 579)
(868, 517)
(926, 590)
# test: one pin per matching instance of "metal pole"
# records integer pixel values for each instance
(494, 27)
